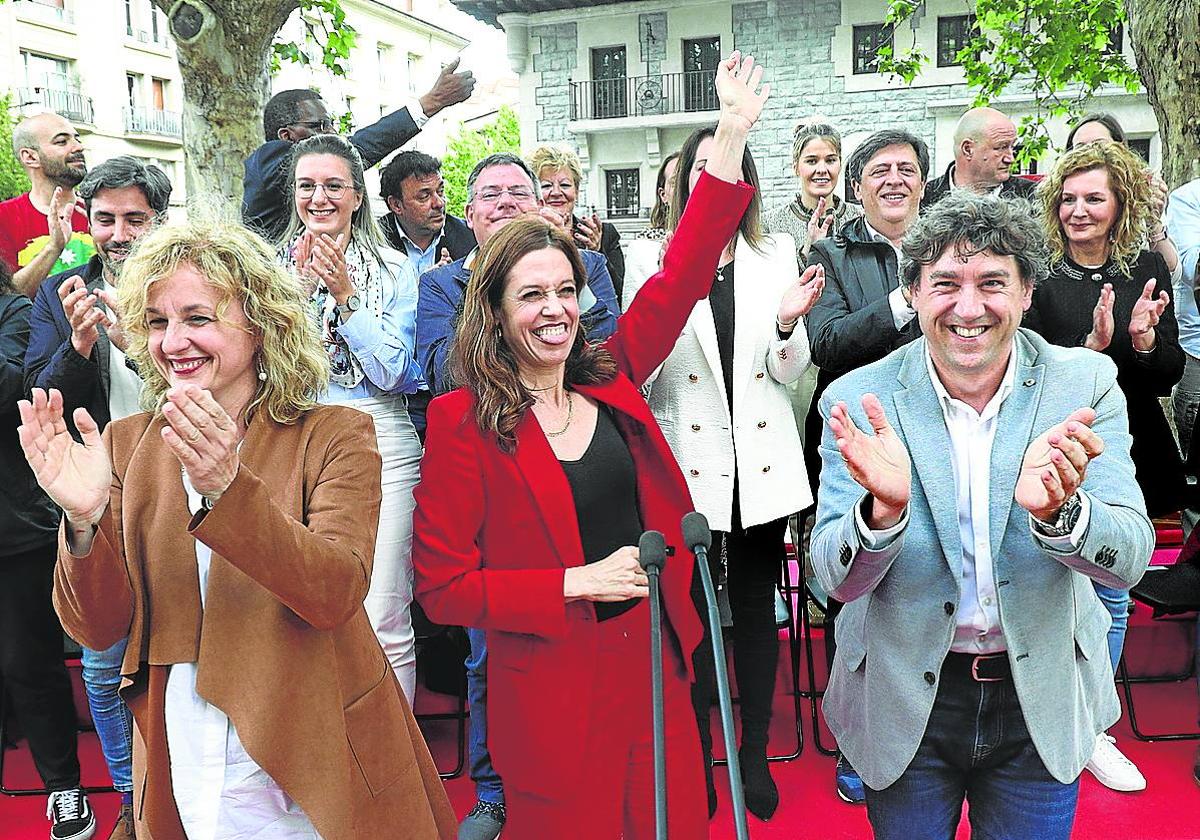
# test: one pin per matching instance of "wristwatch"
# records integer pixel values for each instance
(1068, 515)
(352, 305)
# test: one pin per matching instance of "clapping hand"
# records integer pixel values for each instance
(1056, 463)
(1158, 194)
(878, 462)
(588, 232)
(203, 437)
(1145, 316)
(58, 219)
(76, 476)
(320, 259)
(799, 298)
(1102, 320)
(737, 85)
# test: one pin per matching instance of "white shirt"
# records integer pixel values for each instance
(902, 313)
(124, 386)
(977, 620)
(220, 791)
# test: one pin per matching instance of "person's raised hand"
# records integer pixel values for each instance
(819, 223)
(204, 438)
(799, 298)
(1147, 311)
(1158, 194)
(76, 476)
(1055, 464)
(444, 258)
(1103, 325)
(738, 88)
(83, 315)
(450, 88)
(878, 462)
(618, 577)
(588, 232)
(112, 320)
(58, 219)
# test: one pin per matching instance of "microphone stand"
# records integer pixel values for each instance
(698, 537)
(652, 553)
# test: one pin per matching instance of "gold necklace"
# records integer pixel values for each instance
(567, 425)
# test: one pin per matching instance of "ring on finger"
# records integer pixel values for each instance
(194, 438)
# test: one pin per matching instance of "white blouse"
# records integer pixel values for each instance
(220, 791)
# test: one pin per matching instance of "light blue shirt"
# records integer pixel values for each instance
(424, 260)
(384, 344)
(1183, 226)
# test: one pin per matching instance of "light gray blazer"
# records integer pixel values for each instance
(897, 626)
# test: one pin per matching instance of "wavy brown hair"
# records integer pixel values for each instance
(480, 358)
(1129, 184)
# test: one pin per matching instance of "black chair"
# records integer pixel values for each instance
(1170, 592)
(441, 654)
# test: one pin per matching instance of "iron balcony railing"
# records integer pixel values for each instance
(640, 96)
(67, 103)
(153, 121)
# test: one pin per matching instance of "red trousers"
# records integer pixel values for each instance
(618, 798)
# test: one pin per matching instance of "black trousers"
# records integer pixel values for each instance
(755, 558)
(31, 660)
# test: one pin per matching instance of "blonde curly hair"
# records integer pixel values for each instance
(243, 268)
(1129, 184)
(555, 158)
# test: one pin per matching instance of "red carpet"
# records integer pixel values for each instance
(1169, 809)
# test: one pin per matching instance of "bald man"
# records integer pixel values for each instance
(984, 151)
(43, 232)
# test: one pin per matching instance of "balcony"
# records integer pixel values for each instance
(644, 96)
(67, 103)
(41, 12)
(153, 122)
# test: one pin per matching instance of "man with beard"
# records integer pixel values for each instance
(42, 231)
(76, 346)
(418, 224)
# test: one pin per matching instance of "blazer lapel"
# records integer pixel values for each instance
(1015, 431)
(920, 419)
(549, 488)
(748, 268)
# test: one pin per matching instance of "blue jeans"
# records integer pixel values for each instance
(488, 785)
(1116, 601)
(976, 746)
(114, 724)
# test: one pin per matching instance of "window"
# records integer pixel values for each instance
(700, 59)
(412, 65)
(1141, 145)
(1116, 40)
(46, 72)
(954, 33)
(154, 25)
(128, 17)
(867, 41)
(623, 190)
(133, 85)
(609, 82)
(158, 94)
(383, 60)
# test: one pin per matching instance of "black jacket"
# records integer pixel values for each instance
(265, 204)
(28, 519)
(610, 246)
(939, 188)
(456, 237)
(851, 324)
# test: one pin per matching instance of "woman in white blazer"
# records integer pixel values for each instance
(722, 405)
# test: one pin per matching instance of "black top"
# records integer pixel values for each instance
(604, 486)
(1062, 313)
(720, 298)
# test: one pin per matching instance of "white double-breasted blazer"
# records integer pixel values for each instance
(760, 441)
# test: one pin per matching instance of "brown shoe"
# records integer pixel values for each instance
(123, 830)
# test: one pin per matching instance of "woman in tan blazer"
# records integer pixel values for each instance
(230, 533)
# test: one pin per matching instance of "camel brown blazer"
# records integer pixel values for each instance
(283, 646)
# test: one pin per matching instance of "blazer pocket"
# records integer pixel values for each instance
(379, 739)
(1091, 633)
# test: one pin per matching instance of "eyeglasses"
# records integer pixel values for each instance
(317, 125)
(333, 189)
(491, 195)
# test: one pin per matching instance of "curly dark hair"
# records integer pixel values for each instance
(971, 223)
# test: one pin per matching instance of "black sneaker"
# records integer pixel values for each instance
(71, 815)
(484, 822)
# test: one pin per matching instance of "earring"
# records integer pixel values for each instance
(262, 373)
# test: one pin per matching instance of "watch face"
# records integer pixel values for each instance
(353, 302)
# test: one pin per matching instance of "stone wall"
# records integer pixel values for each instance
(555, 61)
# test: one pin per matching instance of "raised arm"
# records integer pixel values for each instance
(648, 331)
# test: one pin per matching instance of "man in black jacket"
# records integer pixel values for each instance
(294, 115)
(984, 151)
(418, 224)
(863, 314)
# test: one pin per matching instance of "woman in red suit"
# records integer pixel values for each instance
(539, 475)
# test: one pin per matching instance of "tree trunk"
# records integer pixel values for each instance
(1166, 41)
(224, 49)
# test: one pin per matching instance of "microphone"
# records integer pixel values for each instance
(698, 537)
(652, 554)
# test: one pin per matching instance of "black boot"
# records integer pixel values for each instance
(755, 661)
(703, 695)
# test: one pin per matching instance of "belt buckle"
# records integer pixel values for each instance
(975, 669)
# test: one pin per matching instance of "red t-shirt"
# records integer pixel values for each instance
(24, 232)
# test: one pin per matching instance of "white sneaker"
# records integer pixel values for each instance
(1112, 769)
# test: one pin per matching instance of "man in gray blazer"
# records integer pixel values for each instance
(972, 482)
